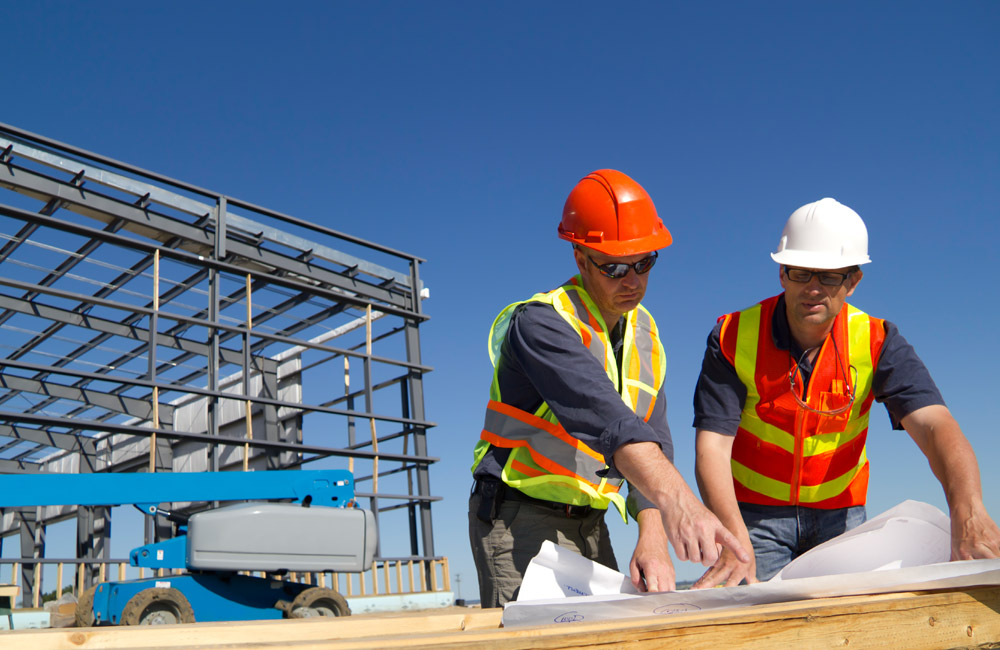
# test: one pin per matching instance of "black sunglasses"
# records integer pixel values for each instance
(618, 270)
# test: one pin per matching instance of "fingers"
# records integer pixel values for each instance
(729, 541)
(708, 579)
(635, 574)
(726, 573)
(659, 580)
(652, 573)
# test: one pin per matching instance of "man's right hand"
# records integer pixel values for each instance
(728, 572)
(696, 533)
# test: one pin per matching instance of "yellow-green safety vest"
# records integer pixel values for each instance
(546, 461)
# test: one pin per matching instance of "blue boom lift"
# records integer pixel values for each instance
(320, 529)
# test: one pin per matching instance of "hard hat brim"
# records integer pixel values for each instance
(616, 248)
(814, 260)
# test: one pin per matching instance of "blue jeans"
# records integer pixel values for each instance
(780, 534)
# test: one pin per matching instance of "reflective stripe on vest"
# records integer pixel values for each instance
(784, 454)
(546, 461)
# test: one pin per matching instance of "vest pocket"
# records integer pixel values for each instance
(831, 402)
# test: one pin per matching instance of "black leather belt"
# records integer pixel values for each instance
(506, 493)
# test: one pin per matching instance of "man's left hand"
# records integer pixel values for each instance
(974, 535)
(651, 568)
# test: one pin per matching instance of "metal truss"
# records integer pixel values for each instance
(150, 325)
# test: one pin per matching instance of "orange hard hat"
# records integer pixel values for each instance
(611, 213)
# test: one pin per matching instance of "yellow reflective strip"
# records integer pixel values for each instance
(747, 335)
(478, 452)
(566, 306)
(860, 354)
(588, 303)
(537, 486)
(582, 307)
(826, 442)
(760, 483)
(659, 354)
(767, 432)
(833, 487)
(635, 383)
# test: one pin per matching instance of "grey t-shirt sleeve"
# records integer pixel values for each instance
(542, 351)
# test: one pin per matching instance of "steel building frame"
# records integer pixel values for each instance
(150, 325)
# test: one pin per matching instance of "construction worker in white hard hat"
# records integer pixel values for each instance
(782, 405)
(577, 405)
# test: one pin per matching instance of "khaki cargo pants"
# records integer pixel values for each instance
(502, 551)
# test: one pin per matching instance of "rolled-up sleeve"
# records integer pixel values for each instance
(544, 350)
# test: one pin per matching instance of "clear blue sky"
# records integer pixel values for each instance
(454, 130)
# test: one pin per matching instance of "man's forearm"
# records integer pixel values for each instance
(645, 466)
(948, 453)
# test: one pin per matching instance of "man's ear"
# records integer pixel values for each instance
(854, 281)
(581, 260)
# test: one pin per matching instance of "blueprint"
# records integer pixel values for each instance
(904, 549)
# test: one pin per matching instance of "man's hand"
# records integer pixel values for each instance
(651, 568)
(974, 535)
(728, 572)
(696, 533)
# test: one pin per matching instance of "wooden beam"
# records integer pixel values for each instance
(967, 618)
(237, 634)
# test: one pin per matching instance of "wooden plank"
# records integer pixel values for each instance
(968, 618)
(236, 634)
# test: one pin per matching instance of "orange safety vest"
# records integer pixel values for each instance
(784, 454)
(546, 461)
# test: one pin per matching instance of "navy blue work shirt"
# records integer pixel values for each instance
(542, 359)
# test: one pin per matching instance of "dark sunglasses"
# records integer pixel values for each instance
(618, 270)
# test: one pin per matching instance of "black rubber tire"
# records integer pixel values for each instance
(157, 606)
(83, 616)
(319, 601)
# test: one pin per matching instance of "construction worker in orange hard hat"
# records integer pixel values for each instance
(783, 400)
(577, 407)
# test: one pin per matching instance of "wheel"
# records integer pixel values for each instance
(317, 601)
(84, 614)
(157, 606)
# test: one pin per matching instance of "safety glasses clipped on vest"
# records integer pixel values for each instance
(618, 270)
(851, 374)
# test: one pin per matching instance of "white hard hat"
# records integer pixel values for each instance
(824, 234)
